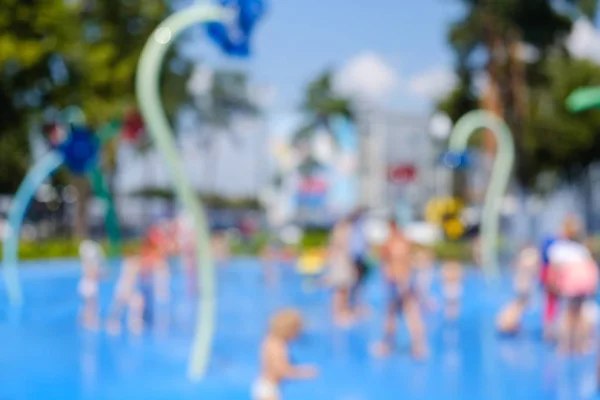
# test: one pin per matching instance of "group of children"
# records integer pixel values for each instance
(568, 276)
(408, 272)
(144, 278)
(564, 267)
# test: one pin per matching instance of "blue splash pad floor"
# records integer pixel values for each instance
(45, 355)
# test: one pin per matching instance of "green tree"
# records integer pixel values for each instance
(589, 8)
(26, 79)
(461, 99)
(561, 141)
(55, 53)
(500, 30)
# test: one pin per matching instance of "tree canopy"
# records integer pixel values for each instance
(55, 53)
(519, 47)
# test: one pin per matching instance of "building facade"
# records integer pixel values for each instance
(399, 161)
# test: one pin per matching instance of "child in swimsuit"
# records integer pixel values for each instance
(424, 276)
(573, 274)
(92, 258)
(398, 273)
(527, 266)
(127, 299)
(154, 275)
(452, 288)
(570, 231)
(160, 242)
(276, 367)
(141, 277)
(341, 274)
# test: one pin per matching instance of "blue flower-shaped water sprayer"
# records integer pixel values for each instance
(78, 148)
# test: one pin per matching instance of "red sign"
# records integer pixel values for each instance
(402, 173)
(313, 186)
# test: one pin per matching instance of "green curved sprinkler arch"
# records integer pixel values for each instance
(36, 176)
(43, 169)
(148, 95)
(505, 157)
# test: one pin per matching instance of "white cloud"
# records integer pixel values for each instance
(366, 77)
(584, 41)
(433, 83)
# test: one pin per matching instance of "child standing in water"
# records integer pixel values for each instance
(402, 298)
(127, 299)
(452, 288)
(570, 231)
(154, 276)
(424, 276)
(341, 274)
(527, 265)
(92, 258)
(574, 276)
(161, 241)
(359, 250)
(142, 277)
(276, 367)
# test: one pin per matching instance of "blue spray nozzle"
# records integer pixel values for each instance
(455, 159)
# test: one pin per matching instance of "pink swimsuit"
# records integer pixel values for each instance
(573, 271)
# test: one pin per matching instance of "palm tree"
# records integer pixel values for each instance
(501, 29)
(319, 105)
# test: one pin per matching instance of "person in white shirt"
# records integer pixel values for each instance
(574, 276)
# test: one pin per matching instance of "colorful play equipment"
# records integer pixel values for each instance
(230, 26)
(76, 147)
(505, 156)
(311, 262)
(584, 99)
(446, 213)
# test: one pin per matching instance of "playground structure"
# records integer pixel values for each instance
(503, 164)
(584, 99)
(148, 94)
(79, 152)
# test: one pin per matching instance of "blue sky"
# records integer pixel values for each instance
(298, 39)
